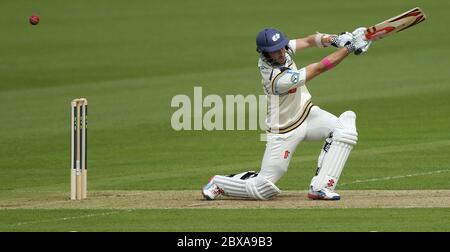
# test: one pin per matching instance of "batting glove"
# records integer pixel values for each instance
(343, 40)
(360, 42)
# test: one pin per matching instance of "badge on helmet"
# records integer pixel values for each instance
(270, 40)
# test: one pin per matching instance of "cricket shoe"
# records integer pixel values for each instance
(211, 191)
(323, 194)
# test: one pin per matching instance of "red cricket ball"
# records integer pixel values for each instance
(34, 20)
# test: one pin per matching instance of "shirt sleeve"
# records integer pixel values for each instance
(293, 45)
(285, 79)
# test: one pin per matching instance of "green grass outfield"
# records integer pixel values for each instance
(188, 220)
(130, 58)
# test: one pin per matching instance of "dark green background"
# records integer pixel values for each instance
(129, 58)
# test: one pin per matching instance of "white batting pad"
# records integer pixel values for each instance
(261, 188)
(333, 158)
(246, 185)
(231, 186)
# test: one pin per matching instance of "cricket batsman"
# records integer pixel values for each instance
(293, 118)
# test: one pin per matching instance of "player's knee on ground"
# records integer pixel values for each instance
(261, 188)
(252, 186)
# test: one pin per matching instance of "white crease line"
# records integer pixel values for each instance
(69, 218)
(396, 177)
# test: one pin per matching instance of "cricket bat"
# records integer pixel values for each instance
(395, 24)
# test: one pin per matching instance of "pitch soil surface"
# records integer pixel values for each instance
(193, 199)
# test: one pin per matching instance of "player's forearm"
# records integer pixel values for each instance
(334, 59)
(314, 40)
(310, 40)
(326, 63)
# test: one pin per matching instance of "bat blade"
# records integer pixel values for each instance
(395, 24)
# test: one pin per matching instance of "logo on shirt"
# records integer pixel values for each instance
(286, 154)
(295, 76)
(276, 37)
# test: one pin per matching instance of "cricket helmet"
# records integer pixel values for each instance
(270, 40)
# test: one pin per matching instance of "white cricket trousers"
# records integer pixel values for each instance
(281, 147)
